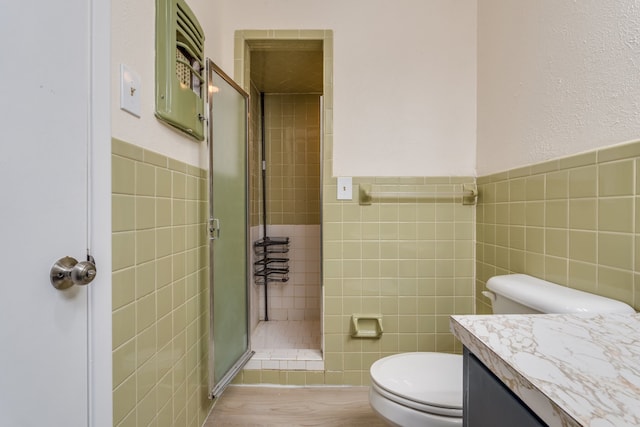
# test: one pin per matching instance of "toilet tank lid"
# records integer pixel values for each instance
(547, 297)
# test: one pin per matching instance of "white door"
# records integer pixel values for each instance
(44, 138)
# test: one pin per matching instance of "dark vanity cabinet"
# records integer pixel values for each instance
(488, 402)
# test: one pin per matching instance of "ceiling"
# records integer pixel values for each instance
(286, 66)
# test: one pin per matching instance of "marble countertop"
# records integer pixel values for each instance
(570, 369)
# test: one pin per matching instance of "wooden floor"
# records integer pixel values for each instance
(293, 406)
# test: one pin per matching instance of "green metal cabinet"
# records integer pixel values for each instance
(180, 86)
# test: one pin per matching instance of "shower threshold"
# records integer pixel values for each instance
(287, 345)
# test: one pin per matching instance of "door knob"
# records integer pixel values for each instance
(67, 272)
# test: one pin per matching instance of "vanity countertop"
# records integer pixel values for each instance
(570, 369)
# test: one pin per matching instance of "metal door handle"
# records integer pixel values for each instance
(67, 272)
(214, 228)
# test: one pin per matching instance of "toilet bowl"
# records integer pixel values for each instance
(418, 389)
(425, 389)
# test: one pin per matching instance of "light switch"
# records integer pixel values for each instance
(129, 90)
(345, 188)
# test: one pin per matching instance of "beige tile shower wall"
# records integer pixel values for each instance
(572, 221)
(256, 295)
(293, 159)
(160, 292)
(255, 197)
(255, 169)
(298, 298)
(293, 168)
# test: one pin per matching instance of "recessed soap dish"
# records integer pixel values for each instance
(366, 325)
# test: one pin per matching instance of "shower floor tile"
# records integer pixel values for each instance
(287, 334)
(287, 345)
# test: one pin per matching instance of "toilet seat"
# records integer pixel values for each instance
(426, 382)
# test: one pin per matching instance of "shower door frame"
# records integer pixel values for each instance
(246, 41)
(216, 388)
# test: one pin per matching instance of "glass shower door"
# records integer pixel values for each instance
(229, 346)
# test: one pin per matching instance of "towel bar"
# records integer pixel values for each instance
(468, 193)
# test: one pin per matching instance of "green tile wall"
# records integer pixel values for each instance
(292, 127)
(160, 292)
(410, 260)
(572, 221)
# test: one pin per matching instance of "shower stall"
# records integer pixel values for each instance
(265, 148)
(285, 203)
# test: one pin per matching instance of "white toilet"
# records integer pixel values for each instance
(425, 389)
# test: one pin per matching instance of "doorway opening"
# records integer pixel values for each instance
(285, 80)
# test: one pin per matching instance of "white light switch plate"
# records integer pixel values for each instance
(130, 90)
(345, 188)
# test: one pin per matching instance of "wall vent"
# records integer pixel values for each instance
(179, 68)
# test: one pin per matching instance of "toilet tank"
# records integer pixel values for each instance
(520, 293)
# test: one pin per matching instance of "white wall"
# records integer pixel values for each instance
(404, 77)
(133, 44)
(555, 78)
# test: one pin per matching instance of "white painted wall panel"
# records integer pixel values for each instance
(404, 77)
(555, 78)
